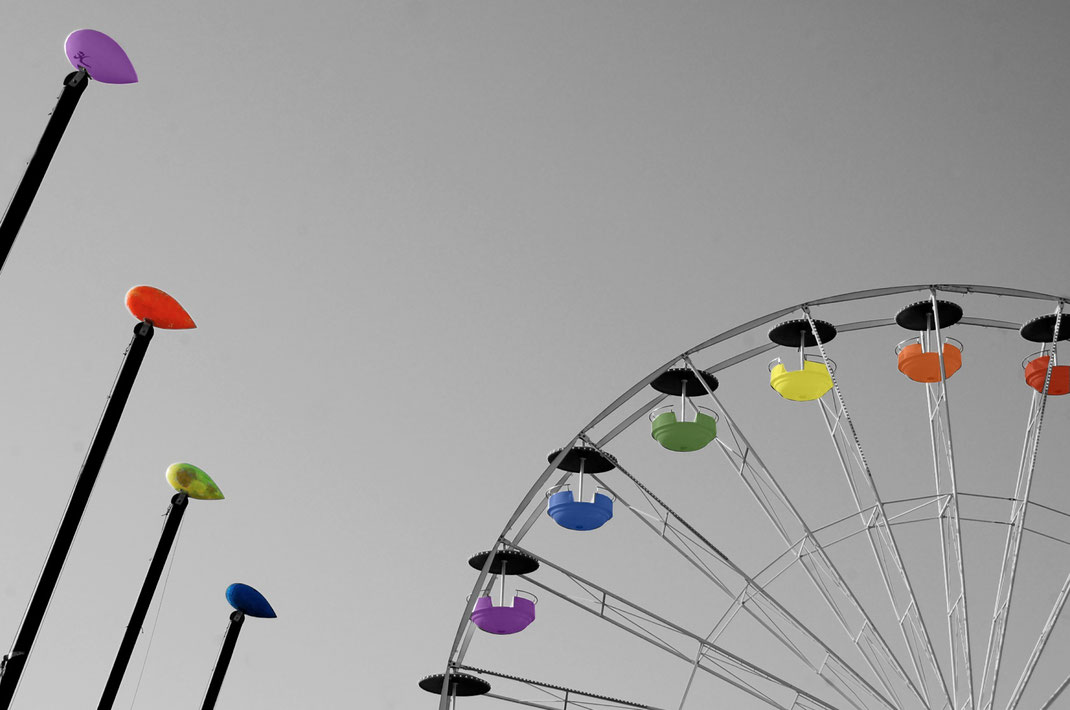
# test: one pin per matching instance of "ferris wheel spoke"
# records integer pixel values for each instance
(1019, 507)
(1055, 696)
(690, 679)
(815, 560)
(882, 541)
(1038, 648)
(958, 627)
(757, 602)
(730, 668)
(755, 599)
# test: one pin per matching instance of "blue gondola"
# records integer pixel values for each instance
(577, 514)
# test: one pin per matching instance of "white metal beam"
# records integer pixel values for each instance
(757, 601)
(729, 667)
(1020, 505)
(882, 541)
(826, 578)
(958, 626)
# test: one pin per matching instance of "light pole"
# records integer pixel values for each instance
(153, 308)
(95, 56)
(246, 602)
(190, 482)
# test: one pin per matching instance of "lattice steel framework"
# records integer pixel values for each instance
(958, 625)
(1008, 570)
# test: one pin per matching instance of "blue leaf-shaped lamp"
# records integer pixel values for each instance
(249, 601)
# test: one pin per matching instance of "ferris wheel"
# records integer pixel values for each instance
(803, 532)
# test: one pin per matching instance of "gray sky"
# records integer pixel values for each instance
(425, 243)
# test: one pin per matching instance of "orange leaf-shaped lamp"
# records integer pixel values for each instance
(157, 307)
(187, 478)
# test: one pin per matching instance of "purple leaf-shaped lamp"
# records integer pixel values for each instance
(101, 56)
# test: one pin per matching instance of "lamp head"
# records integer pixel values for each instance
(187, 478)
(101, 56)
(249, 601)
(163, 311)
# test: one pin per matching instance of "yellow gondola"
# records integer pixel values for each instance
(813, 378)
(804, 385)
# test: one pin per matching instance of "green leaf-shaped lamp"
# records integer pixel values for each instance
(187, 478)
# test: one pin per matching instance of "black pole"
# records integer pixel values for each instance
(15, 661)
(141, 607)
(236, 620)
(73, 86)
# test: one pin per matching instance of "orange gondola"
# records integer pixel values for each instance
(924, 366)
(1042, 330)
(920, 358)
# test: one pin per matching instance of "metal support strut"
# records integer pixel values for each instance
(885, 550)
(828, 581)
(756, 600)
(1019, 506)
(730, 668)
(958, 629)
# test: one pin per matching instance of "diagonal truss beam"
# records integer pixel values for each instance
(1019, 506)
(1050, 703)
(882, 541)
(958, 627)
(812, 555)
(1038, 648)
(835, 533)
(754, 598)
(730, 668)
